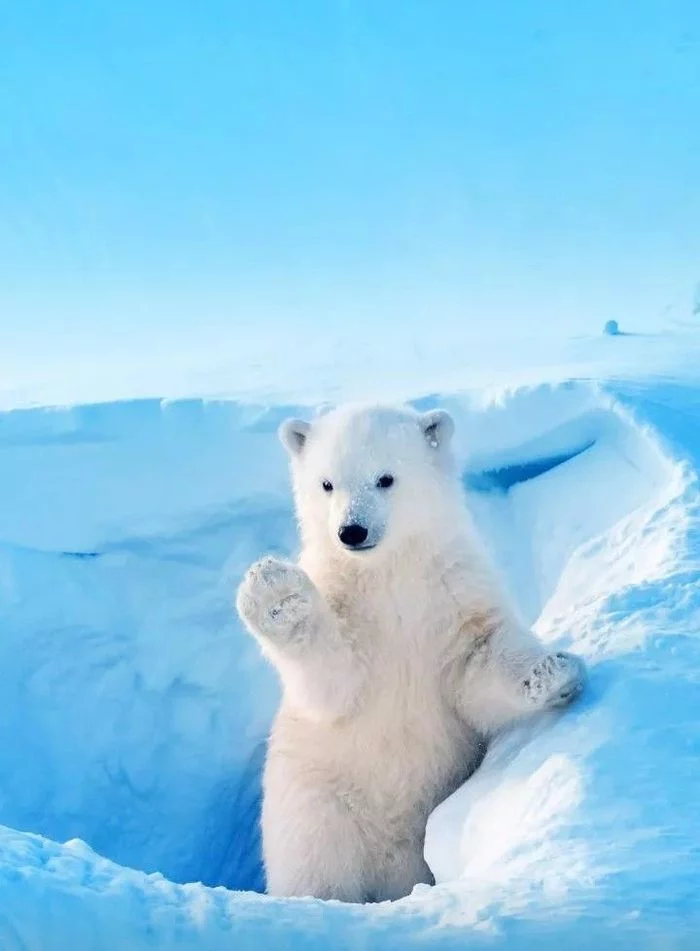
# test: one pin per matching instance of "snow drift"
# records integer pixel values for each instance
(135, 709)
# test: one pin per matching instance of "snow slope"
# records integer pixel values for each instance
(134, 708)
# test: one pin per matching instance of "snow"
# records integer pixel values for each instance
(134, 708)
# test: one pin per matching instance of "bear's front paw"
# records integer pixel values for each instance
(276, 599)
(555, 680)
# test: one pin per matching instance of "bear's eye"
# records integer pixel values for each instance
(385, 481)
(327, 486)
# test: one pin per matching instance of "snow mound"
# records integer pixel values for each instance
(135, 708)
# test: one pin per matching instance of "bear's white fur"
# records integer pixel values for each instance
(398, 658)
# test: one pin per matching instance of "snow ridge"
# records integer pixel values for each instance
(135, 708)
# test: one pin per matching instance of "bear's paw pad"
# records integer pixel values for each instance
(555, 680)
(275, 598)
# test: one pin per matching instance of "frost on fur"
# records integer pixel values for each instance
(397, 653)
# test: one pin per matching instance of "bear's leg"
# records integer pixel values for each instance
(312, 845)
(512, 676)
(298, 632)
(396, 876)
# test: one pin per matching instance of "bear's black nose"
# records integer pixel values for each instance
(352, 535)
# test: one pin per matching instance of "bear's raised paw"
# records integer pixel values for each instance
(555, 680)
(276, 599)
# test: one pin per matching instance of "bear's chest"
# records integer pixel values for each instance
(414, 618)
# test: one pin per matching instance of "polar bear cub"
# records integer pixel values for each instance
(398, 654)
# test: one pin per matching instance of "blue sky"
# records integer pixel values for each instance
(178, 180)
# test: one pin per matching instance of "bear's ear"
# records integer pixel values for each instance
(293, 434)
(437, 426)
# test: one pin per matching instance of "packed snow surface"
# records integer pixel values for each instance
(135, 709)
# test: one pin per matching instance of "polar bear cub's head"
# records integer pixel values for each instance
(369, 478)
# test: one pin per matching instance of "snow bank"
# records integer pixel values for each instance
(134, 707)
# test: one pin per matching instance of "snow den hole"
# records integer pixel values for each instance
(135, 709)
